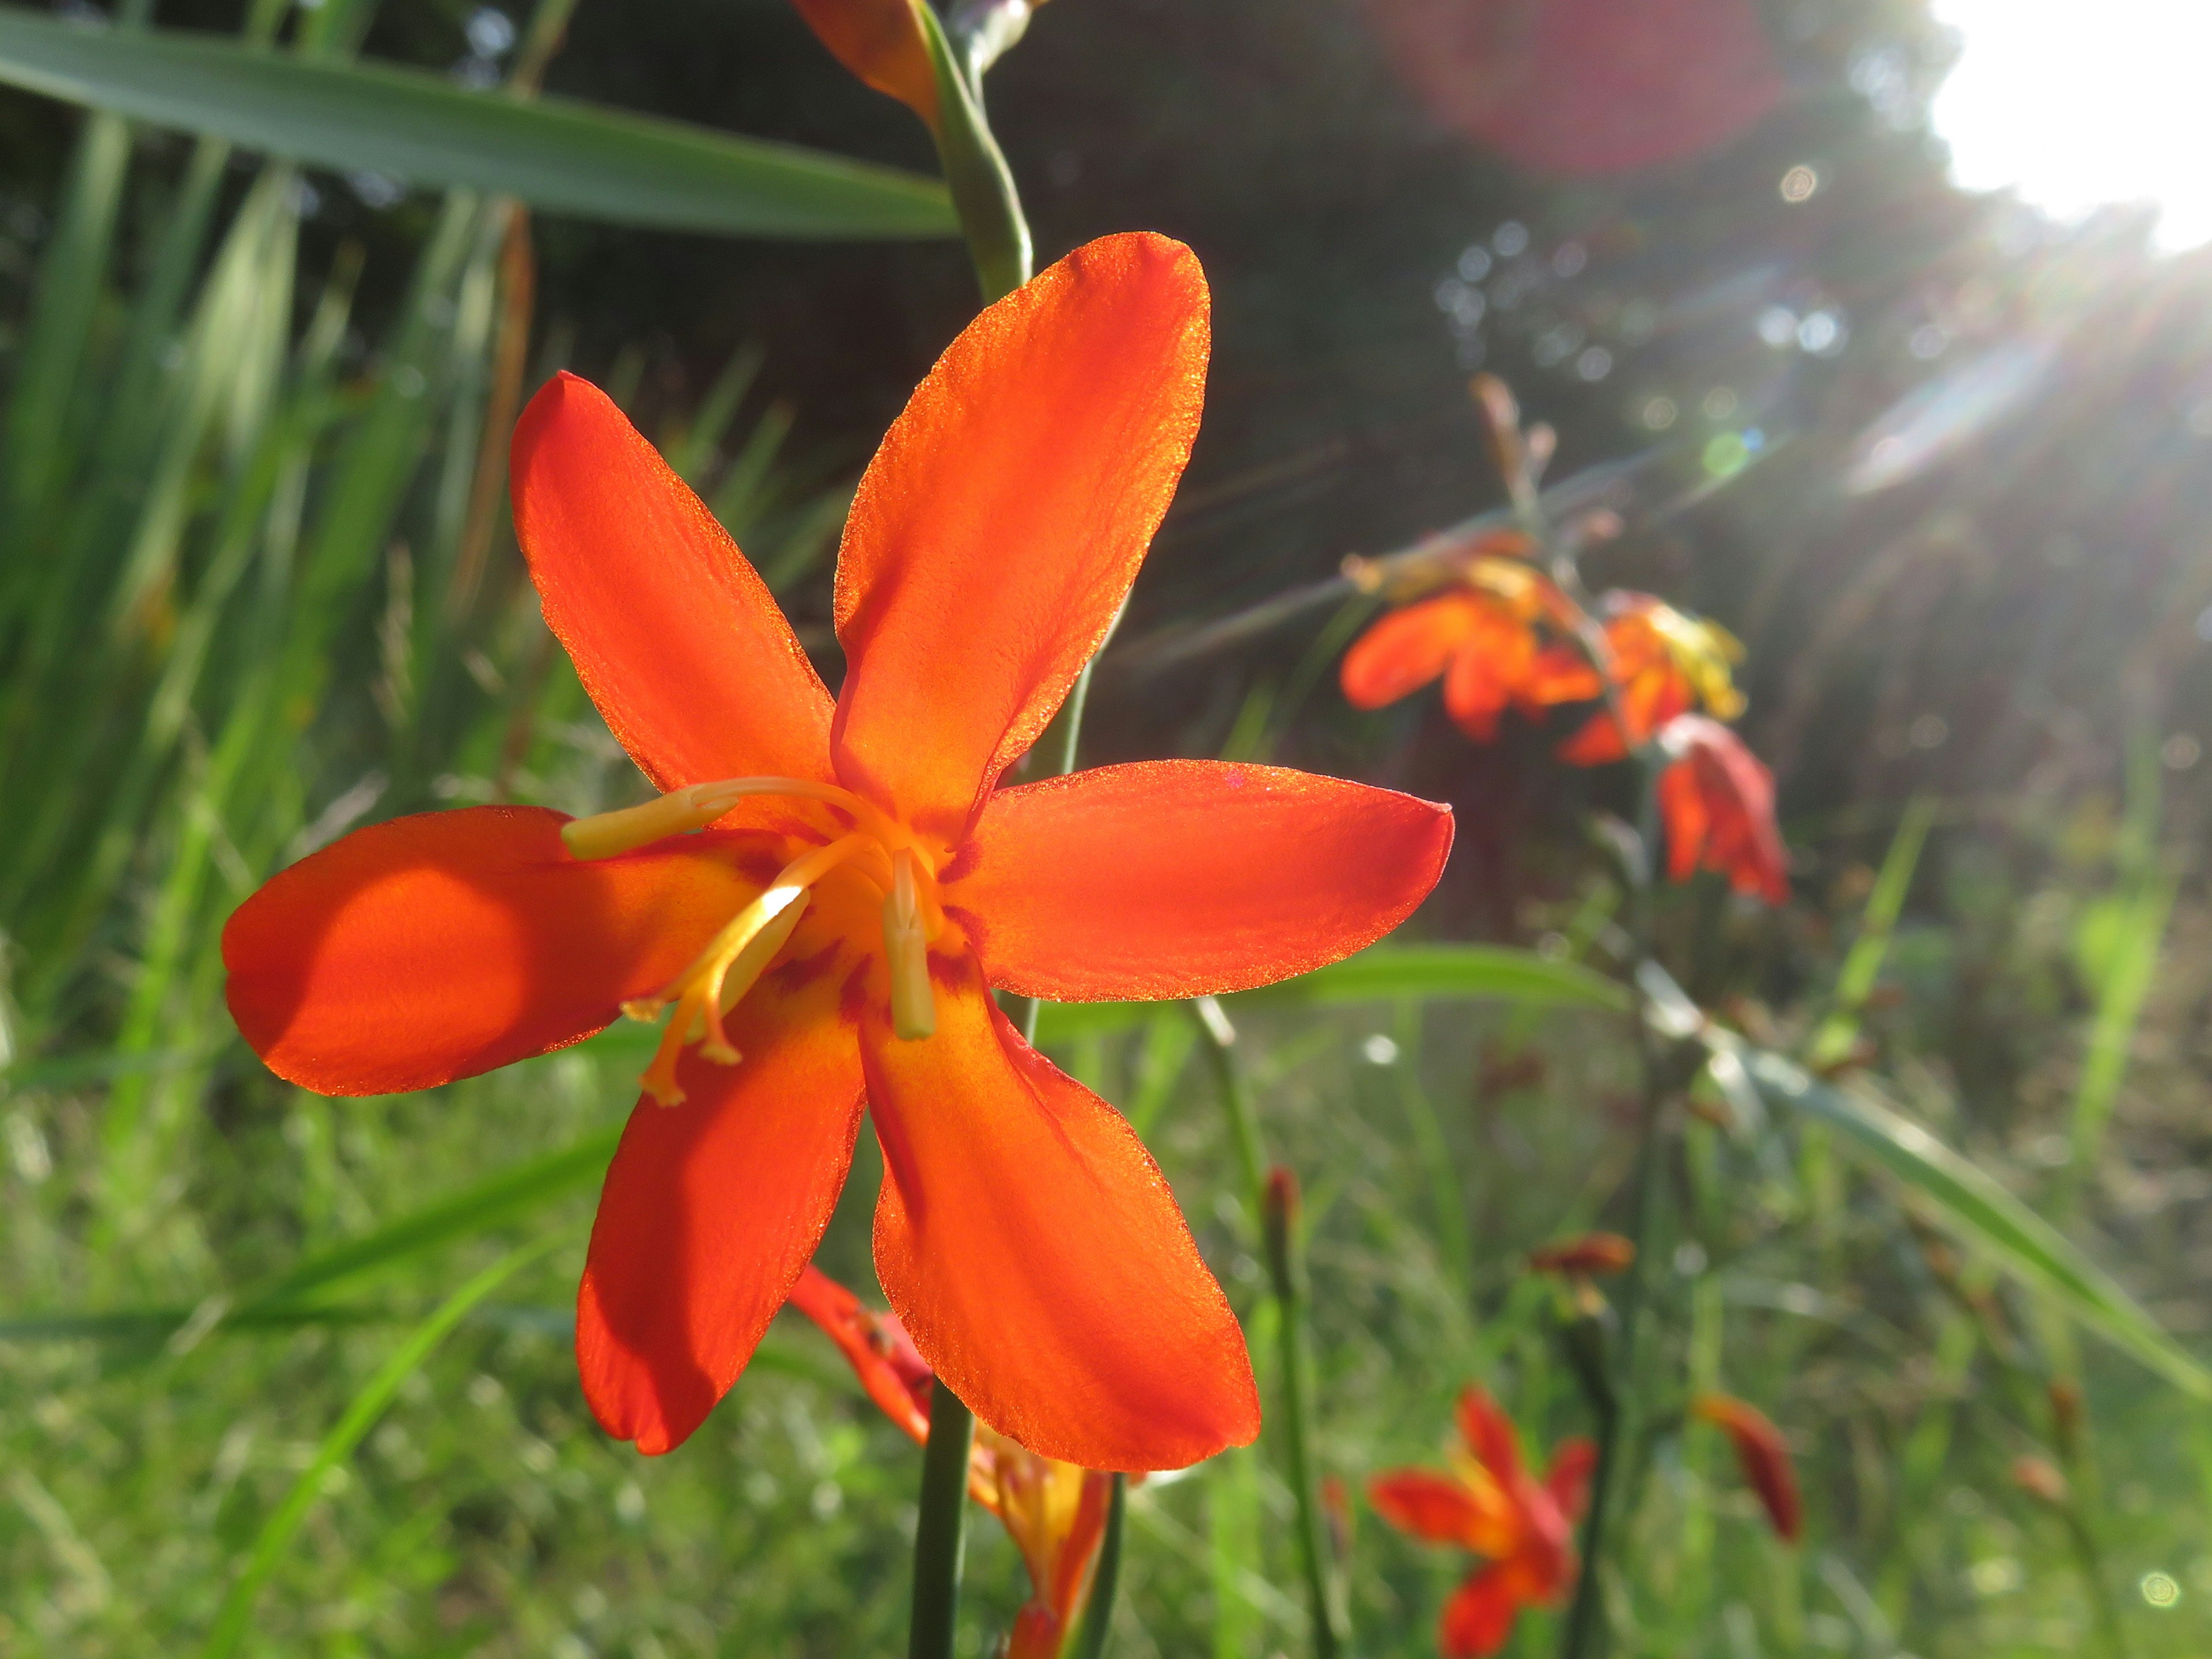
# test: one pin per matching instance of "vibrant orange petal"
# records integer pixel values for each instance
(998, 530)
(1561, 673)
(672, 632)
(876, 1345)
(881, 43)
(1030, 1246)
(1497, 656)
(711, 1210)
(1405, 649)
(1764, 1456)
(1431, 1506)
(1176, 878)
(1480, 1616)
(437, 946)
(1490, 1436)
(1568, 1479)
(1682, 813)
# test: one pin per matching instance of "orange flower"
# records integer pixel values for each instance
(1055, 1512)
(1482, 636)
(1584, 1255)
(1764, 1456)
(1664, 663)
(1491, 1504)
(1717, 802)
(857, 885)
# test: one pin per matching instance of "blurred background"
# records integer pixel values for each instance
(1884, 325)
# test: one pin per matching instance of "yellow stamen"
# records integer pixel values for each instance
(894, 861)
(733, 959)
(906, 953)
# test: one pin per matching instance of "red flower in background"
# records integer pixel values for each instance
(1487, 636)
(1586, 86)
(1763, 1455)
(1490, 1503)
(829, 891)
(1054, 1511)
(1716, 800)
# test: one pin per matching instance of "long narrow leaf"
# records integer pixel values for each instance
(473, 1210)
(1384, 973)
(558, 155)
(1978, 1206)
(338, 1444)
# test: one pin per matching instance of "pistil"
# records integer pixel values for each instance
(906, 953)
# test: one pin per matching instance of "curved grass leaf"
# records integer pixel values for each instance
(337, 1445)
(1442, 972)
(284, 1301)
(557, 154)
(1383, 973)
(1978, 1206)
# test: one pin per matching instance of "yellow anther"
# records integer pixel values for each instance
(906, 953)
(733, 959)
(891, 859)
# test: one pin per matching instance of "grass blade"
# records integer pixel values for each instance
(557, 154)
(1978, 1206)
(338, 1444)
(1383, 973)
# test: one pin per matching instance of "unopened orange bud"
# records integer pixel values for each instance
(1282, 1200)
(2039, 1478)
(2066, 1406)
(1764, 1456)
(1586, 1255)
(881, 43)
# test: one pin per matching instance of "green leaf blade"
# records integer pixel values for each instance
(560, 155)
(1979, 1207)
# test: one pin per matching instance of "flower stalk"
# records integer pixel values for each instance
(1616, 1402)
(1272, 1200)
(940, 1532)
(998, 236)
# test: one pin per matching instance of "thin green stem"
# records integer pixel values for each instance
(1098, 1608)
(1272, 1200)
(940, 1532)
(1584, 1636)
(1286, 1268)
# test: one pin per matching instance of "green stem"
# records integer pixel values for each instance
(940, 1532)
(1584, 1636)
(1285, 1267)
(1272, 1197)
(1098, 1609)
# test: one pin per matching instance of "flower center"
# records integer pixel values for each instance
(882, 851)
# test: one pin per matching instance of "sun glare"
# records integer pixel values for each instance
(2079, 103)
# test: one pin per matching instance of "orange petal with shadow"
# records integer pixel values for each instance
(712, 1209)
(446, 943)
